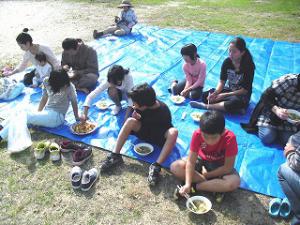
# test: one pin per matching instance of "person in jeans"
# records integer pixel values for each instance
(269, 118)
(123, 22)
(58, 92)
(195, 72)
(81, 62)
(25, 42)
(238, 72)
(210, 163)
(289, 176)
(119, 83)
(151, 121)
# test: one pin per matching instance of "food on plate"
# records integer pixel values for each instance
(196, 116)
(143, 149)
(200, 205)
(177, 99)
(83, 128)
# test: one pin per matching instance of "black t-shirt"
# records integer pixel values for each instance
(159, 118)
(236, 80)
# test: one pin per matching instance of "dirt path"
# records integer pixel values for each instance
(52, 21)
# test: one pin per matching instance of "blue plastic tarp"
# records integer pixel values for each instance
(153, 56)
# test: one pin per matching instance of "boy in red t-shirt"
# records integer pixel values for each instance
(210, 164)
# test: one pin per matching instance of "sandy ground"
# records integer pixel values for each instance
(49, 23)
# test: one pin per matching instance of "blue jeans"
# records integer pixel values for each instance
(45, 118)
(268, 135)
(290, 184)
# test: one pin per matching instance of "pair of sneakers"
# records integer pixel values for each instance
(44, 146)
(280, 207)
(114, 159)
(83, 180)
(80, 153)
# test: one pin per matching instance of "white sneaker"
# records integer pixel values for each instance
(54, 152)
(116, 109)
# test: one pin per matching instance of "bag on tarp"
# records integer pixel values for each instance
(19, 137)
(10, 89)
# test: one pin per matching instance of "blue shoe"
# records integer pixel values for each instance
(285, 208)
(274, 207)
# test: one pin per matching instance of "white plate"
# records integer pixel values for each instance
(196, 116)
(143, 145)
(292, 111)
(72, 128)
(177, 99)
(194, 199)
(102, 105)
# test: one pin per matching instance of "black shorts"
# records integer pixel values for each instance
(151, 135)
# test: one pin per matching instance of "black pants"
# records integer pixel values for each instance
(194, 94)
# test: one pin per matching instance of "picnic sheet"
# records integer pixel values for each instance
(153, 56)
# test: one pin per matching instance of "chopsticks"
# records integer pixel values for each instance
(187, 196)
(136, 147)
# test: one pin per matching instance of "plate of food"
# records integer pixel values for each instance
(196, 116)
(102, 105)
(83, 128)
(143, 149)
(177, 99)
(293, 116)
(203, 204)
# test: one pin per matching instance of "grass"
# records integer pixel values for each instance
(39, 192)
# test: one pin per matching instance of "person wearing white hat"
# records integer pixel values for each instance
(123, 22)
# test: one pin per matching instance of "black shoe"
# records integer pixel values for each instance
(153, 176)
(111, 161)
(97, 34)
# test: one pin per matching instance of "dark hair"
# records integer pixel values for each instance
(58, 79)
(212, 122)
(41, 57)
(116, 73)
(247, 59)
(143, 95)
(24, 37)
(70, 43)
(189, 50)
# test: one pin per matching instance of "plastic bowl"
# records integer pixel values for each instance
(292, 111)
(177, 99)
(194, 199)
(102, 105)
(196, 116)
(137, 146)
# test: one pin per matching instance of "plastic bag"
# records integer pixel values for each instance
(10, 89)
(19, 137)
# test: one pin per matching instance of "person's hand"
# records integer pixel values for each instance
(212, 97)
(184, 93)
(83, 118)
(117, 19)
(136, 115)
(66, 68)
(281, 113)
(186, 189)
(288, 149)
(7, 73)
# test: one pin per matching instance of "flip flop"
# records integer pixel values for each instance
(285, 208)
(274, 207)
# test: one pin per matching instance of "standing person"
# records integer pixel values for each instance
(269, 118)
(123, 22)
(238, 71)
(289, 176)
(119, 83)
(195, 72)
(210, 164)
(151, 121)
(58, 92)
(81, 62)
(25, 42)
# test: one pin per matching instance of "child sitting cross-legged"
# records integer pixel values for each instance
(210, 164)
(151, 122)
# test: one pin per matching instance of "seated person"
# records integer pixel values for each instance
(269, 118)
(119, 83)
(238, 71)
(195, 72)
(289, 176)
(81, 62)
(210, 163)
(151, 121)
(123, 22)
(58, 93)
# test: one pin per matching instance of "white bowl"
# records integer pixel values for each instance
(177, 99)
(203, 199)
(143, 145)
(292, 111)
(102, 105)
(196, 116)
